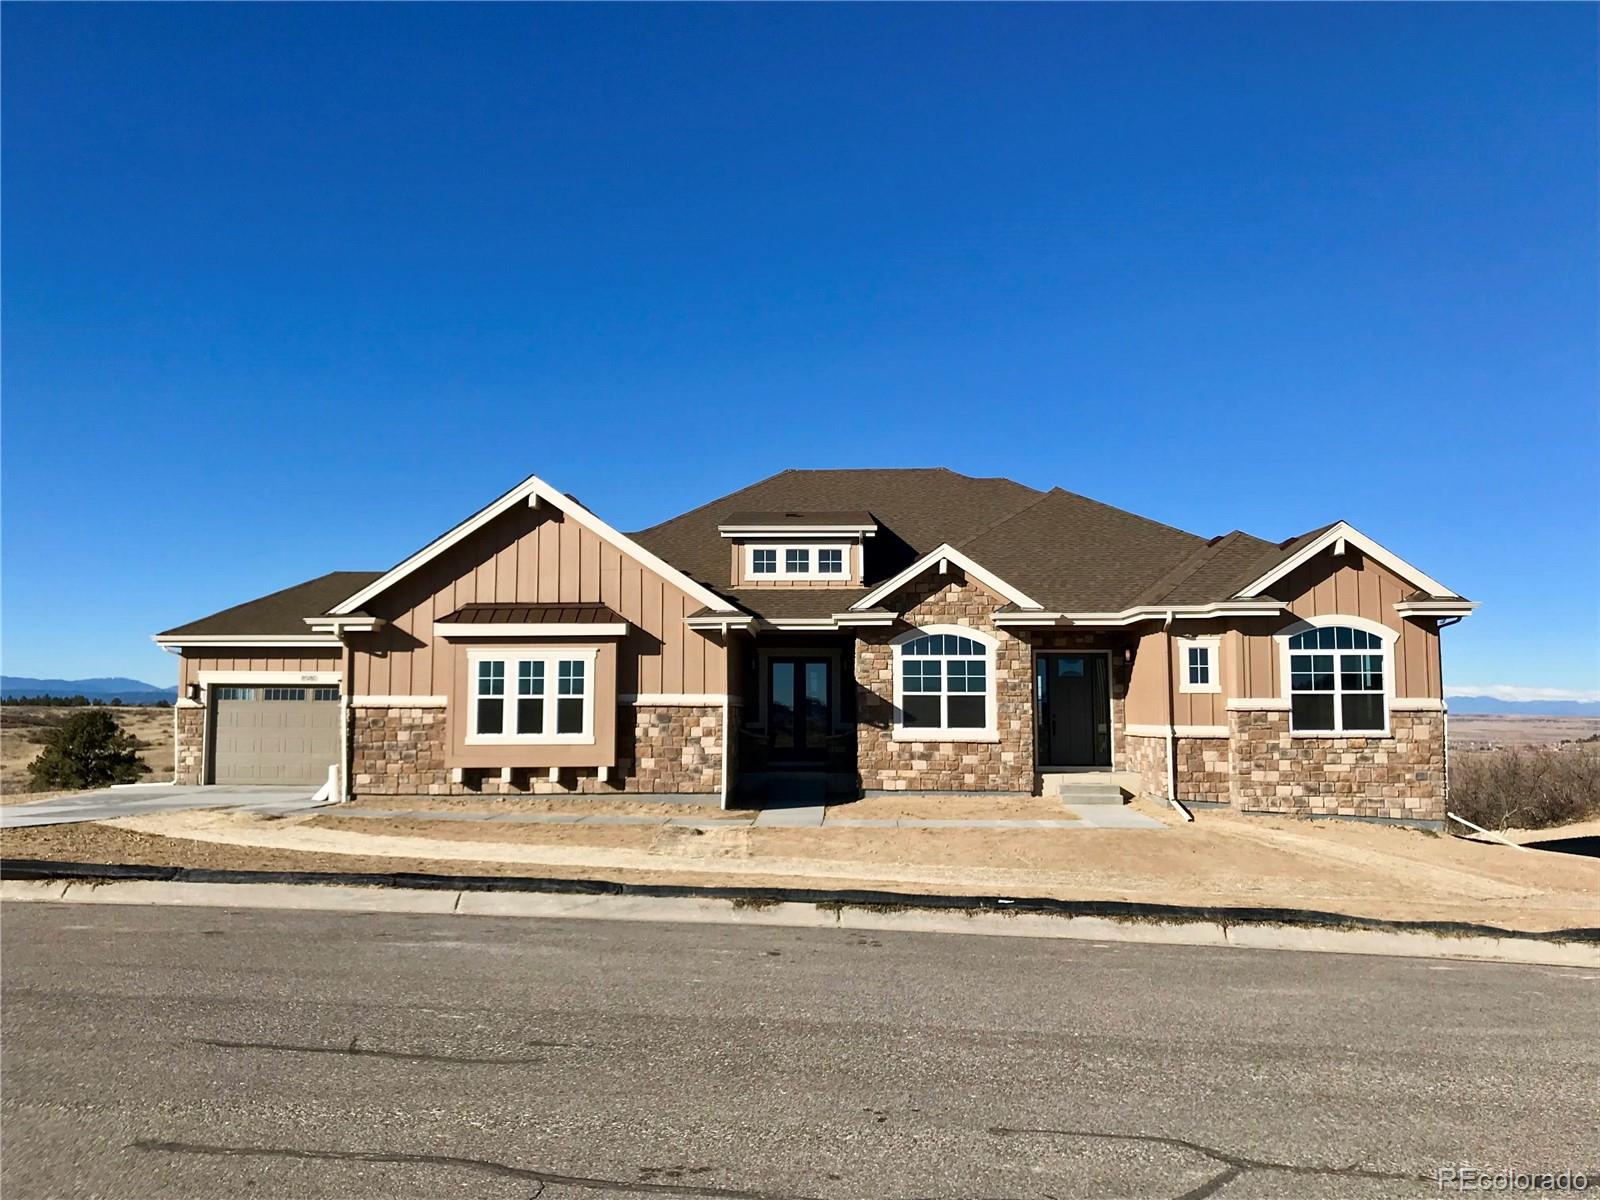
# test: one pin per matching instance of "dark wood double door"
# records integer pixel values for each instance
(799, 709)
(1072, 697)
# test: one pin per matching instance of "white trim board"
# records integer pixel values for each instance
(939, 557)
(677, 699)
(207, 640)
(1147, 612)
(1335, 538)
(399, 701)
(534, 491)
(1257, 704)
(270, 678)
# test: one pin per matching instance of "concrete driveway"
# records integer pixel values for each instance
(141, 798)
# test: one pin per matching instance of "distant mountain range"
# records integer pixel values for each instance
(129, 691)
(1524, 708)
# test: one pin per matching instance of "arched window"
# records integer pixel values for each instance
(1338, 676)
(944, 684)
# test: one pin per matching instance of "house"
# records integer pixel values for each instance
(846, 631)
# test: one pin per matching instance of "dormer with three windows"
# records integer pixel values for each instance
(797, 549)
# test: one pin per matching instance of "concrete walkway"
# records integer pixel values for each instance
(142, 798)
(795, 816)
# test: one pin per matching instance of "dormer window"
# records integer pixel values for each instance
(791, 547)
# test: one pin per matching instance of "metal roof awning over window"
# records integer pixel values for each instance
(531, 620)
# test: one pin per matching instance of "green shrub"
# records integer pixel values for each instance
(87, 750)
(1526, 788)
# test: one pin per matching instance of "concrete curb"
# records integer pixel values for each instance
(790, 914)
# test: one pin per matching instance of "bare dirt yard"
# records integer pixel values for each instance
(1221, 859)
(22, 731)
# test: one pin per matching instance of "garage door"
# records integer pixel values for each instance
(274, 734)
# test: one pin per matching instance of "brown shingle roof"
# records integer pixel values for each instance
(533, 614)
(281, 613)
(916, 509)
(1073, 554)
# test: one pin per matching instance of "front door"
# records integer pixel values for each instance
(799, 709)
(1074, 703)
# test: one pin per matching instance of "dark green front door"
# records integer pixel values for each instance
(799, 709)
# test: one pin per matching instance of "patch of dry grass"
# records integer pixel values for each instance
(23, 729)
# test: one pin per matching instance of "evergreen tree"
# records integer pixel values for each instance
(87, 750)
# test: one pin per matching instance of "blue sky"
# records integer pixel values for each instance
(294, 288)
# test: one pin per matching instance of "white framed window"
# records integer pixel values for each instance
(1199, 664)
(530, 697)
(944, 686)
(1338, 675)
(776, 560)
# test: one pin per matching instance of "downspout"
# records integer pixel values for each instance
(1172, 724)
(727, 707)
(345, 794)
(1444, 705)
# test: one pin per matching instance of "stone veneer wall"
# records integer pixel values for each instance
(1203, 769)
(1003, 765)
(189, 748)
(669, 749)
(1400, 777)
(1147, 756)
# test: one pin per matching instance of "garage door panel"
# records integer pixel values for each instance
(268, 735)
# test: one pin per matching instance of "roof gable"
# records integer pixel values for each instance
(1334, 537)
(533, 490)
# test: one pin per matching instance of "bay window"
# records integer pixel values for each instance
(553, 696)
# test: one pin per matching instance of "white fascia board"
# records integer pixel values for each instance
(200, 641)
(801, 623)
(526, 492)
(864, 620)
(1132, 616)
(931, 559)
(464, 629)
(337, 625)
(799, 531)
(1350, 535)
(720, 623)
(1435, 608)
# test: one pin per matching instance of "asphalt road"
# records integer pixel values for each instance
(173, 1052)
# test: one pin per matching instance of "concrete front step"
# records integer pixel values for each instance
(1082, 788)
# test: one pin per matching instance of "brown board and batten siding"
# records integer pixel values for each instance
(1357, 587)
(534, 556)
(301, 659)
(1149, 680)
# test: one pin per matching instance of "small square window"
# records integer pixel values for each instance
(1199, 664)
(797, 562)
(763, 562)
(830, 562)
(1197, 668)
